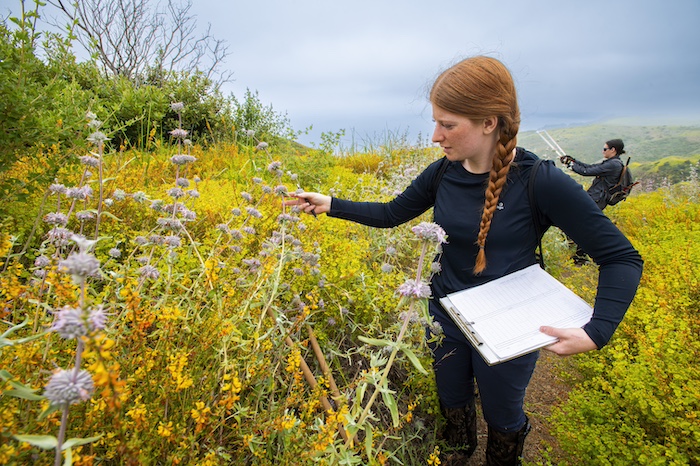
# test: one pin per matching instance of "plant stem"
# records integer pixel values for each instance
(385, 374)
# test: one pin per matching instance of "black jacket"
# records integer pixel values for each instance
(607, 174)
(511, 243)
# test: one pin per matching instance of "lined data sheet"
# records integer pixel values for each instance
(503, 316)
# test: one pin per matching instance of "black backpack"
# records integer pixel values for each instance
(622, 189)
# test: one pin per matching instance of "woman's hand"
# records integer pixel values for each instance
(571, 340)
(311, 203)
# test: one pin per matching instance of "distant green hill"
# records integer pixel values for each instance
(642, 143)
(658, 153)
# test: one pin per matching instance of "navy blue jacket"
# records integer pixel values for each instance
(512, 239)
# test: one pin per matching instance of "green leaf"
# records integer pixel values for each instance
(375, 341)
(414, 359)
(69, 458)
(24, 393)
(368, 440)
(107, 214)
(390, 403)
(45, 442)
(75, 442)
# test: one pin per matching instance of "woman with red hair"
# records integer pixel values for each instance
(482, 203)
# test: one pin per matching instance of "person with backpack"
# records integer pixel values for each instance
(480, 192)
(607, 175)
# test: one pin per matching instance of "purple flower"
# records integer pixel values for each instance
(182, 159)
(281, 190)
(115, 253)
(176, 193)
(67, 387)
(179, 133)
(149, 272)
(80, 264)
(41, 261)
(252, 263)
(247, 196)
(119, 194)
(257, 180)
(414, 289)
(139, 196)
(90, 161)
(261, 146)
(141, 240)
(97, 318)
(435, 267)
(430, 232)
(177, 106)
(56, 218)
(193, 193)
(274, 166)
(80, 193)
(253, 212)
(98, 138)
(387, 268)
(84, 215)
(59, 236)
(182, 182)
(58, 189)
(170, 223)
(70, 323)
(248, 230)
(172, 241)
(236, 212)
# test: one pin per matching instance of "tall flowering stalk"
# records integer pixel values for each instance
(415, 291)
(67, 387)
(98, 138)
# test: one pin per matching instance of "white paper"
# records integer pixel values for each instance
(505, 314)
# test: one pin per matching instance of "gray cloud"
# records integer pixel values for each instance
(365, 65)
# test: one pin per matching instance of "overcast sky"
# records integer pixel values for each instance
(365, 66)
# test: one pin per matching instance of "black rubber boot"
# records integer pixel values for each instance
(459, 434)
(506, 448)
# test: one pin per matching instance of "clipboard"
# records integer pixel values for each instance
(501, 318)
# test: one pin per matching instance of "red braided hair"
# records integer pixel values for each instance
(478, 88)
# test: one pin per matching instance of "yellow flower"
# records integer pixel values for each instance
(6, 452)
(175, 367)
(434, 458)
(165, 430)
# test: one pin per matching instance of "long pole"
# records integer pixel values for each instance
(551, 142)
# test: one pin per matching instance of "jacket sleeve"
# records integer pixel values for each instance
(411, 203)
(564, 204)
(606, 168)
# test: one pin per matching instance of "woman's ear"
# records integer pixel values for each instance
(490, 124)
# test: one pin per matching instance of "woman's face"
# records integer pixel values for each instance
(609, 152)
(464, 140)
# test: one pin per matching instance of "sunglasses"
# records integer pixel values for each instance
(607, 148)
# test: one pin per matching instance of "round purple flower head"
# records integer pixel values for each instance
(69, 323)
(179, 133)
(414, 289)
(67, 387)
(430, 232)
(80, 264)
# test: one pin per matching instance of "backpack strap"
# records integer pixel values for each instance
(438, 177)
(533, 210)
